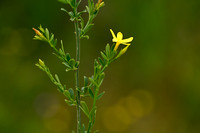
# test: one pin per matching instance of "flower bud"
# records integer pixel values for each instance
(123, 51)
(41, 63)
(99, 4)
(38, 32)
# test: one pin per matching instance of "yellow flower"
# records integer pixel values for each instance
(119, 39)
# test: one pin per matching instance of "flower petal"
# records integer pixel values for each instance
(119, 36)
(114, 40)
(127, 40)
(127, 44)
(116, 46)
(113, 34)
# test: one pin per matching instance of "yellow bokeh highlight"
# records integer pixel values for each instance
(133, 106)
(116, 118)
(128, 110)
(146, 100)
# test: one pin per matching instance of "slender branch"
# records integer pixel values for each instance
(77, 75)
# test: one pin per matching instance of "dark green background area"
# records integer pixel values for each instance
(153, 88)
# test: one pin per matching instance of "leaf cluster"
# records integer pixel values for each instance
(92, 9)
(69, 93)
(44, 35)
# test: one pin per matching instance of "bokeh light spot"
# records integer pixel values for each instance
(116, 118)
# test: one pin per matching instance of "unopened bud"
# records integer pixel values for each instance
(38, 32)
(99, 4)
(123, 51)
(41, 63)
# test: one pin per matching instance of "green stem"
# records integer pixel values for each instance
(77, 77)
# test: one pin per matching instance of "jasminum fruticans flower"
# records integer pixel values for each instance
(119, 40)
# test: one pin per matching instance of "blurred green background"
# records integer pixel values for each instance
(153, 88)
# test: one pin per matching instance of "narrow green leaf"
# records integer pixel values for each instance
(101, 78)
(82, 22)
(95, 74)
(66, 64)
(108, 50)
(39, 66)
(92, 114)
(100, 95)
(89, 3)
(91, 93)
(63, 1)
(85, 81)
(47, 33)
(72, 62)
(58, 56)
(96, 63)
(37, 38)
(71, 91)
(67, 94)
(41, 29)
(62, 47)
(93, 82)
(68, 69)
(78, 89)
(85, 108)
(78, 3)
(83, 129)
(57, 78)
(85, 89)
(71, 14)
(77, 64)
(87, 9)
(70, 103)
(55, 42)
(101, 61)
(103, 55)
(68, 56)
(81, 12)
(73, 3)
(52, 38)
(63, 9)
(65, 88)
(85, 36)
(88, 28)
(61, 52)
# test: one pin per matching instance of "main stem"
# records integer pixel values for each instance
(77, 78)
